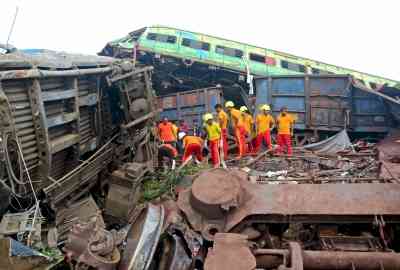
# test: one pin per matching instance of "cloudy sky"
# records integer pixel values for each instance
(363, 35)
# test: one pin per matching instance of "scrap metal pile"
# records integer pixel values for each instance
(67, 122)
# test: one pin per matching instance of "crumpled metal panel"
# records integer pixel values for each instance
(142, 239)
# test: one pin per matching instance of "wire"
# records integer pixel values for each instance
(12, 26)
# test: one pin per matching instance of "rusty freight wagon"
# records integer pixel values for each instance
(190, 105)
(324, 103)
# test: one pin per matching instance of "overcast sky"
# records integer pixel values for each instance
(363, 35)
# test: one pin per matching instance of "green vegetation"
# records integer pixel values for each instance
(164, 183)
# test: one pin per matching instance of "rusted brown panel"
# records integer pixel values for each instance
(324, 200)
(231, 251)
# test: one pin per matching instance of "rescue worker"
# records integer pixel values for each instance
(166, 152)
(214, 137)
(264, 124)
(223, 123)
(166, 132)
(285, 124)
(248, 122)
(238, 128)
(192, 146)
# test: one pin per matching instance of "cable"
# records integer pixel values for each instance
(12, 26)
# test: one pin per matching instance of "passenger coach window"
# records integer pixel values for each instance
(195, 44)
(161, 38)
(293, 66)
(228, 51)
(257, 57)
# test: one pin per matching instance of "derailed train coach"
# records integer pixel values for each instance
(61, 121)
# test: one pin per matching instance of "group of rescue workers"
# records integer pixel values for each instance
(249, 133)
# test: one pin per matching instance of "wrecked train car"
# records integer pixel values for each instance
(61, 119)
(190, 60)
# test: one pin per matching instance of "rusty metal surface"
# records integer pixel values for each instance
(286, 202)
(318, 200)
(214, 192)
(299, 259)
(81, 211)
(142, 239)
(230, 251)
(89, 243)
(207, 215)
(389, 155)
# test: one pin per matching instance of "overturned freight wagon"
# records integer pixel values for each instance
(61, 118)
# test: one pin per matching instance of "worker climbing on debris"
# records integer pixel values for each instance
(167, 154)
(166, 132)
(192, 146)
(248, 122)
(223, 122)
(214, 132)
(285, 124)
(238, 128)
(264, 124)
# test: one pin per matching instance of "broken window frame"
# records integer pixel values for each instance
(232, 52)
(170, 39)
(195, 44)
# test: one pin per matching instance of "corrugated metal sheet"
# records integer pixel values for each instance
(324, 102)
(190, 105)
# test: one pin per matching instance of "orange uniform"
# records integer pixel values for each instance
(166, 132)
(223, 119)
(187, 140)
(240, 132)
(248, 123)
(285, 123)
(192, 146)
(237, 119)
(223, 122)
(264, 123)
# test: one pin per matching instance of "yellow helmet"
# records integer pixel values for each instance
(207, 116)
(243, 109)
(229, 104)
(265, 107)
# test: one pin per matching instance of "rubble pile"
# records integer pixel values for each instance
(85, 188)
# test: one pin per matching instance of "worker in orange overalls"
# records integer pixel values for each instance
(285, 124)
(238, 128)
(192, 146)
(223, 122)
(264, 124)
(166, 132)
(248, 122)
(166, 152)
(214, 137)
